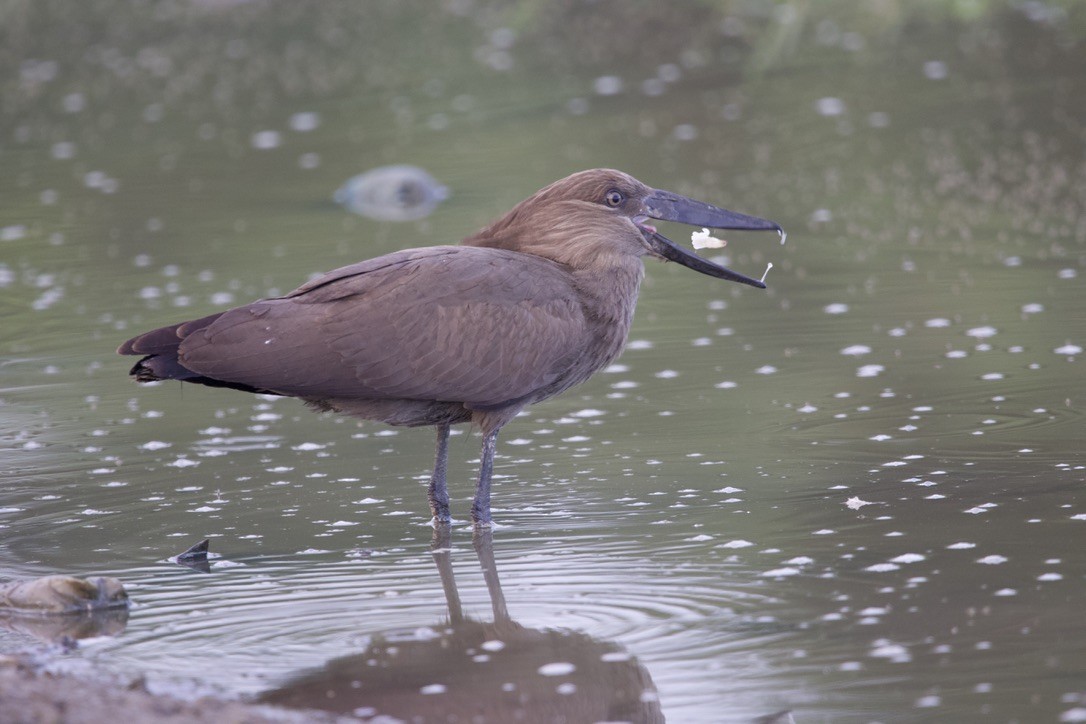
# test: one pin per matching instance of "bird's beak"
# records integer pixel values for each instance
(666, 206)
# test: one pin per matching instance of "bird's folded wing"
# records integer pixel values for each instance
(457, 324)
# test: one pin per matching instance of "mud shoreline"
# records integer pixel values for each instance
(30, 695)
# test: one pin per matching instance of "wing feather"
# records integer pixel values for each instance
(455, 324)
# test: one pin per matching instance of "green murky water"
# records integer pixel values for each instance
(857, 495)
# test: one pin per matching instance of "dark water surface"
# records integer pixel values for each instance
(858, 495)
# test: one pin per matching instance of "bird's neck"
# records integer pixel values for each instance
(608, 297)
(609, 293)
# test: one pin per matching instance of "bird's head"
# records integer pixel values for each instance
(593, 217)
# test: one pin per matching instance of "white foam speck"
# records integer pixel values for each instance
(558, 668)
(982, 332)
(781, 572)
(829, 106)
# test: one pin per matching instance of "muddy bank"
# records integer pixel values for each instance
(31, 696)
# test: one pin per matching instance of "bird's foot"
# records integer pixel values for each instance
(481, 518)
(440, 515)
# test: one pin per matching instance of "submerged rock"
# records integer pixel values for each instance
(392, 193)
(62, 595)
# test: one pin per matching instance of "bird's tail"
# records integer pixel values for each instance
(161, 356)
(159, 348)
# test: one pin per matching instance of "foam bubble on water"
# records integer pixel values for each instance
(928, 702)
(1068, 349)
(870, 370)
(63, 150)
(896, 653)
(935, 70)
(882, 567)
(829, 106)
(557, 668)
(993, 560)
(856, 350)
(835, 308)
(183, 463)
(780, 572)
(264, 140)
(607, 85)
(738, 543)
(982, 332)
(937, 322)
(305, 121)
(907, 558)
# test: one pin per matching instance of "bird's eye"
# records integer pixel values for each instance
(614, 198)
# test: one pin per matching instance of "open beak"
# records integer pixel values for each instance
(666, 206)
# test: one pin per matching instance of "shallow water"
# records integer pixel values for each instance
(857, 495)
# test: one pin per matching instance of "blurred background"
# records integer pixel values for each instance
(857, 495)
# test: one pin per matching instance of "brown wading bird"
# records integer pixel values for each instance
(523, 310)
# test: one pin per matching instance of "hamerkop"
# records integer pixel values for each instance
(523, 310)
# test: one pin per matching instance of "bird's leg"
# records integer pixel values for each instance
(480, 507)
(438, 493)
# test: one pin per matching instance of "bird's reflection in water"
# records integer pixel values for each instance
(474, 671)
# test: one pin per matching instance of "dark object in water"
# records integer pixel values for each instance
(62, 595)
(392, 193)
(197, 552)
(195, 557)
(521, 311)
